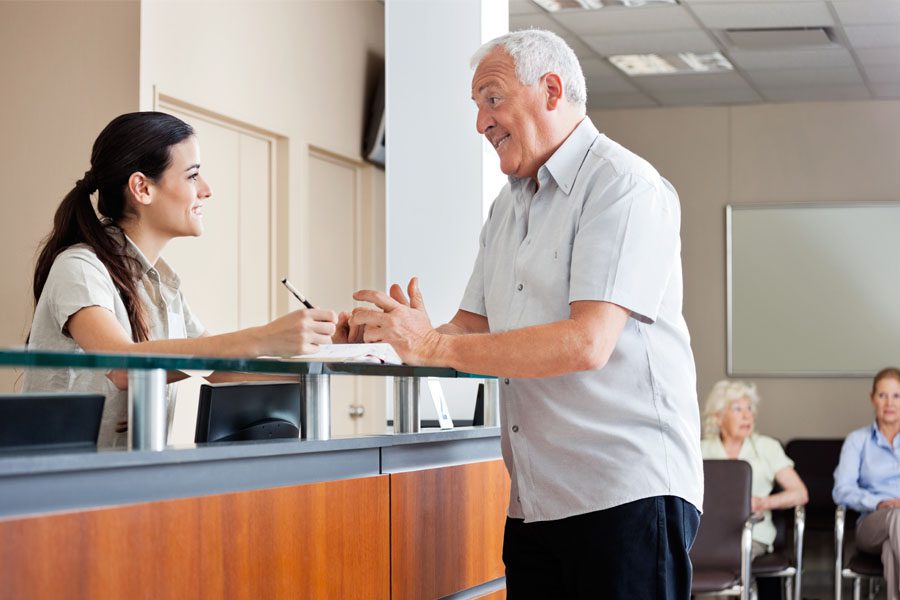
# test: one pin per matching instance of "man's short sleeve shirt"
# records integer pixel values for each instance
(602, 226)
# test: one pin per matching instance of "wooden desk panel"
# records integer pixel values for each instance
(257, 544)
(447, 528)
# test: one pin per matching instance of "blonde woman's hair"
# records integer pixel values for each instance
(888, 373)
(720, 398)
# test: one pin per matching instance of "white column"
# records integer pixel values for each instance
(440, 175)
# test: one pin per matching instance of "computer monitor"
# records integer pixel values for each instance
(63, 421)
(230, 412)
(477, 417)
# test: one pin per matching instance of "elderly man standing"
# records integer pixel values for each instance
(575, 303)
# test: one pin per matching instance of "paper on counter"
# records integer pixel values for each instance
(360, 353)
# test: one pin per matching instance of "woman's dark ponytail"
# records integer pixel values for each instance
(134, 142)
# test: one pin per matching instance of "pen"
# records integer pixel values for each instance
(296, 292)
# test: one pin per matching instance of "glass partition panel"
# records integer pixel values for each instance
(254, 397)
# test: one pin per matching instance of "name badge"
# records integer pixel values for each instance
(177, 329)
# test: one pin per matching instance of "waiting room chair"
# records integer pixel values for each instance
(786, 559)
(815, 461)
(861, 565)
(721, 552)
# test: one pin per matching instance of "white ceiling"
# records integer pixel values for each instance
(861, 62)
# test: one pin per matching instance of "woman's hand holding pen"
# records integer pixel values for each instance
(344, 332)
(298, 332)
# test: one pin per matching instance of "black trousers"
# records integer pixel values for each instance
(636, 551)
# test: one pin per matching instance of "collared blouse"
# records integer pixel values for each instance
(78, 279)
(868, 471)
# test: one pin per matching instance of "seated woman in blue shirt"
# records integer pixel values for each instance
(867, 478)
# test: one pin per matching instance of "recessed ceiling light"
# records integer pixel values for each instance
(636, 65)
(558, 5)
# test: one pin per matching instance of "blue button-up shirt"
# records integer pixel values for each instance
(869, 470)
(602, 226)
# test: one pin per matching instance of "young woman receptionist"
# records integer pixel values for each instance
(101, 284)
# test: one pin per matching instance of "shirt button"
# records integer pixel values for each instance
(519, 287)
(515, 428)
(519, 500)
(506, 381)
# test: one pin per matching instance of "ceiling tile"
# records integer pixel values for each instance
(580, 49)
(733, 1)
(650, 43)
(622, 20)
(878, 56)
(886, 90)
(523, 7)
(873, 36)
(704, 96)
(816, 93)
(654, 83)
(763, 14)
(619, 101)
(538, 21)
(884, 74)
(603, 86)
(791, 59)
(603, 79)
(598, 67)
(813, 77)
(868, 12)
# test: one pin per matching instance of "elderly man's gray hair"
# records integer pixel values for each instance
(536, 52)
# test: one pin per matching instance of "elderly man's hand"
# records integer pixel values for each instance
(345, 332)
(403, 324)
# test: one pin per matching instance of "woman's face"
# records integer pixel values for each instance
(886, 401)
(178, 195)
(736, 421)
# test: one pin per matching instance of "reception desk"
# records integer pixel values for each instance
(416, 515)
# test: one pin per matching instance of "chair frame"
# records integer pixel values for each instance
(745, 590)
(841, 573)
(793, 576)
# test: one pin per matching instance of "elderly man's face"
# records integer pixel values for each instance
(512, 116)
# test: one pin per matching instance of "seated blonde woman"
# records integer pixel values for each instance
(728, 421)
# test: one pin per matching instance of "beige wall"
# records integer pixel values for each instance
(66, 68)
(300, 69)
(768, 153)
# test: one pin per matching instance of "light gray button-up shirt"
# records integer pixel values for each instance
(603, 226)
(79, 279)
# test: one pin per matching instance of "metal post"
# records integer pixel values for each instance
(406, 405)
(491, 402)
(317, 402)
(147, 417)
(839, 516)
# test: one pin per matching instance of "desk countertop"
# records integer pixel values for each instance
(47, 482)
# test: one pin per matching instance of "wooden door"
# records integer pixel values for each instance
(340, 244)
(227, 273)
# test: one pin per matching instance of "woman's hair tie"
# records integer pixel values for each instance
(87, 183)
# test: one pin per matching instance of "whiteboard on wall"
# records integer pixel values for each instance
(813, 289)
